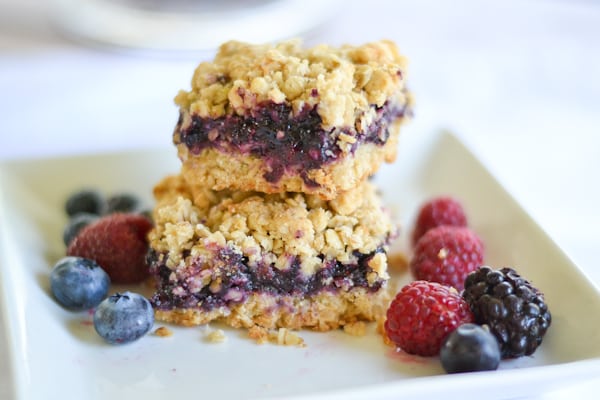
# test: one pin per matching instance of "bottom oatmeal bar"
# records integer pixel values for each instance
(273, 260)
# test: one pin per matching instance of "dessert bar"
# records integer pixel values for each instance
(271, 260)
(283, 118)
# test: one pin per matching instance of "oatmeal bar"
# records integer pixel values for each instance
(282, 118)
(287, 260)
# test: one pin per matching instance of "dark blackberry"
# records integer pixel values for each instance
(514, 310)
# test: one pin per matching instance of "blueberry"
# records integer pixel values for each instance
(78, 283)
(123, 318)
(147, 213)
(77, 223)
(470, 348)
(123, 202)
(85, 201)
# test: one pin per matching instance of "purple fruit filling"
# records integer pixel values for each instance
(287, 143)
(235, 280)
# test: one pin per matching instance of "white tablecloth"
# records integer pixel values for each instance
(517, 80)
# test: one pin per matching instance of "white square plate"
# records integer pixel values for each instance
(56, 353)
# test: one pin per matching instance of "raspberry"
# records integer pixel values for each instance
(438, 211)
(117, 242)
(447, 254)
(514, 310)
(423, 314)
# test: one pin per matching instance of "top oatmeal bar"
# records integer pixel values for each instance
(275, 118)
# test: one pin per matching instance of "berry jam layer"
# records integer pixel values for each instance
(226, 280)
(227, 171)
(287, 144)
(216, 251)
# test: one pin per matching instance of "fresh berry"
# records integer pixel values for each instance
(147, 213)
(85, 201)
(118, 243)
(470, 348)
(75, 224)
(438, 211)
(123, 318)
(123, 202)
(78, 283)
(447, 254)
(423, 314)
(514, 310)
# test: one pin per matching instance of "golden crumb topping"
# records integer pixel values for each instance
(345, 82)
(271, 228)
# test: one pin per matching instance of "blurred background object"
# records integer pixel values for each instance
(187, 25)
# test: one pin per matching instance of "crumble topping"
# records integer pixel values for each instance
(192, 221)
(344, 82)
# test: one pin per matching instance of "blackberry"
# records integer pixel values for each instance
(514, 310)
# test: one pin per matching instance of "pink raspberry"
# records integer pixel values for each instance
(423, 314)
(118, 243)
(438, 211)
(447, 254)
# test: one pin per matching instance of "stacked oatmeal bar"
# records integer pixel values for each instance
(272, 221)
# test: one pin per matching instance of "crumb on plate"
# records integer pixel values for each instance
(397, 261)
(163, 331)
(216, 336)
(381, 330)
(281, 336)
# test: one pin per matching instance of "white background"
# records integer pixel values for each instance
(518, 81)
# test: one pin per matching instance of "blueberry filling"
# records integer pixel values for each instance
(287, 143)
(236, 281)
